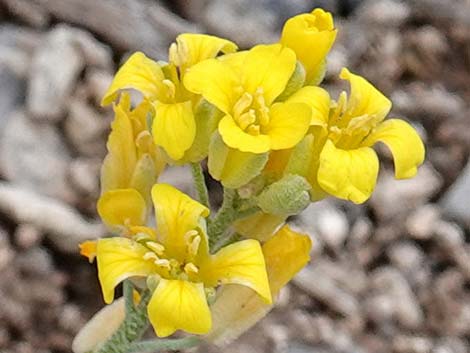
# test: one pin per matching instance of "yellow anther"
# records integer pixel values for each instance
(190, 268)
(253, 130)
(163, 263)
(150, 256)
(189, 236)
(159, 249)
(243, 103)
(246, 119)
(171, 88)
(263, 116)
(173, 54)
(194, 246)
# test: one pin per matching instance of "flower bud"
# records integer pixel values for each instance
(310, 36)
(288, 196)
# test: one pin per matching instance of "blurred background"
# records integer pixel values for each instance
(392, 275)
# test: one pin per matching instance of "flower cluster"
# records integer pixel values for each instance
(274, 139)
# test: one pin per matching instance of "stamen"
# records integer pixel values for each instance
(163, 263)
(173, 54)
(194, 246)
(150, 256)
(246, 119)
(159, 249)
(171, 88)
(189, 236)
(253, 130)
(242, 104)
(264, 116)
(190, 268)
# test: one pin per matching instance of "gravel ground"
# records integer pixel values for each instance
(392, 275)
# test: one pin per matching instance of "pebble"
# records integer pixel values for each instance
(30, 151)
(384, 12)
(421, 222)
(455, 201)
(398, 197)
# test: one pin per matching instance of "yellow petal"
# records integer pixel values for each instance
(194, 48)
(119, 164)
(269, 67)
(348, 174)
(317, 99)
(238, 139)
(235, 60)
(238, 263)
(286, 253)
(238, 308)
(118, 259)
(174, 127)
(311, 37)
(179, 305)
(404, 143)
(215, 81)
(88, 249)
(122, 207)
(176, 214)
(139, 73)
(364, 98)
(288, 124)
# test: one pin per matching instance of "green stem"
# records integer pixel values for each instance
(162, 344)
(224, 217)
(134, 326)
(200, 184)
(128, 293)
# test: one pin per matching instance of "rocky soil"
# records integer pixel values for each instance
(392, 275)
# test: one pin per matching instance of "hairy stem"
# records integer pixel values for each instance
(162, 344)
(200, 184)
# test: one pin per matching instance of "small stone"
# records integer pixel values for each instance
(398, 197)
(455, 200)
(390, 283)
(6, 252)
(406, 256)
(11, 93)
(412, 344)
(84, 176)
(325, 289)
(384, 12)
(245, 22)
(55, 69)
(29, 151)
(28, 11)
(328, 221)
(85, 129)
(421, 222)
(27, 236)
(97, 82)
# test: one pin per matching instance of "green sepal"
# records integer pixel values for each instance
(319, 75)
(286, 197)
(144, 176)
(231, 167)
(207, 118)
(296, 82)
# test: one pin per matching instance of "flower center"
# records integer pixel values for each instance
(345, 130)
(171, 268)
(251, 113)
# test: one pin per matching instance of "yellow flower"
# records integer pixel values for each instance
(244, 86)
(132, 164)
(176, 255)
(174, 126)
(236, 308)
(342, 162)
(311, 36)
